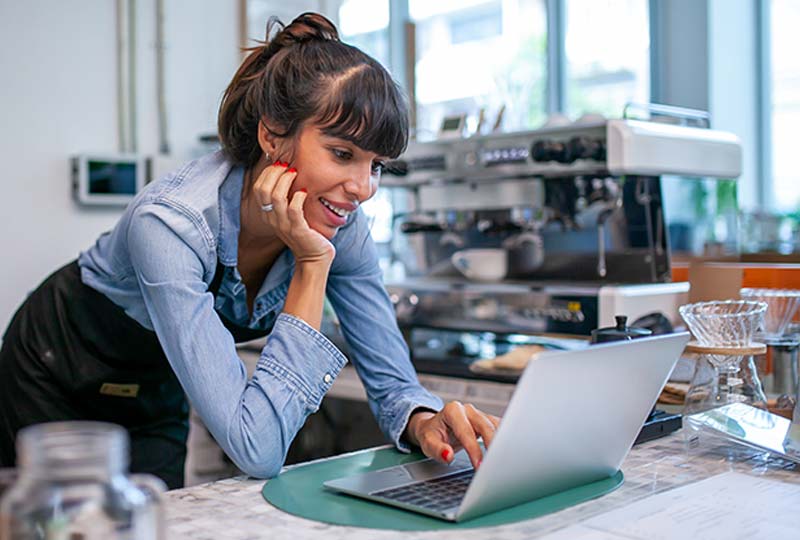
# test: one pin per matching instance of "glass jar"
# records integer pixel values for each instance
(73, 483)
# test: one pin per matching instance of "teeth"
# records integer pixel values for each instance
(338, 211)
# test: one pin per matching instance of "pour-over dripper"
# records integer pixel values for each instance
(726, 323)
(782, 307)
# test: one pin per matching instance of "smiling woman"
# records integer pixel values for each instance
(239, 244)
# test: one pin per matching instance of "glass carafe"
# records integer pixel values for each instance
(721, 380)
(73, 483)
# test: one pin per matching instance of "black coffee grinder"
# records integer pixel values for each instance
(659, 423)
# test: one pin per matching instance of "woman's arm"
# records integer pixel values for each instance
(254, 420)
(306, 293)
(313, 253)
(406, 412)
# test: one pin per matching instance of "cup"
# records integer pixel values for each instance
(482, 264)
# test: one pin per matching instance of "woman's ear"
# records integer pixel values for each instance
(267, 140)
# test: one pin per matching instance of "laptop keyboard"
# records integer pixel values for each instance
(437, 494)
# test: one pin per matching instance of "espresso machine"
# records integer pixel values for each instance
(578, 211)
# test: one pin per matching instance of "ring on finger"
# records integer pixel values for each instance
(269, 207)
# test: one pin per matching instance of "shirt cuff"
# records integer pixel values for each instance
(302, 357)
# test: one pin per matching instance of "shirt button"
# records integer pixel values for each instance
(327, 378)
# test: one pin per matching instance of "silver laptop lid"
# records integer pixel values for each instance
(572, 420)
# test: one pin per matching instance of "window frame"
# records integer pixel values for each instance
(765, 184)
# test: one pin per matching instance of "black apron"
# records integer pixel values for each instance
(70, 353)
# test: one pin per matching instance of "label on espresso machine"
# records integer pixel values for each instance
(575, 315)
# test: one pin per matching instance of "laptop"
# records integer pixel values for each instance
(572, 420)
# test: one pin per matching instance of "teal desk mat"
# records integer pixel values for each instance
(299, 491)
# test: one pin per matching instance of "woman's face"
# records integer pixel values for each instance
(337, 174)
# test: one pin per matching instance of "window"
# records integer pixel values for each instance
(365, 24)
(785, 103)
(473, 55)
(608, 55)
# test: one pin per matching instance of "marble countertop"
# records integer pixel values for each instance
(234, 508)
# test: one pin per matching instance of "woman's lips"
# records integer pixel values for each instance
(335, 219)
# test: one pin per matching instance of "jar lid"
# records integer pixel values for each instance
(620, 332)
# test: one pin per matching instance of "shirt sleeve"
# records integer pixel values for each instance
(254, 420)
(378, 350)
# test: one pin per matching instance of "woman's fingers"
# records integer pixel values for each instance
(481, 423)
(266, 181)
(455, 416)
(434, 445)
(280, 192)
(457, 426)
(295, 209)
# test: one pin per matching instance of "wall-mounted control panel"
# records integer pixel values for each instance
(109, 179)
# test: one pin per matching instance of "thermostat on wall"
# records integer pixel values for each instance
(112, 179)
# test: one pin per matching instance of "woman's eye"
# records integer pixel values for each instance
(342, 154)
(377, 167)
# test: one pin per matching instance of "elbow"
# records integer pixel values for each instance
(259, 457)
(264, 466)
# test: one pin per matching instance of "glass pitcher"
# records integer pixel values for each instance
(73, 483)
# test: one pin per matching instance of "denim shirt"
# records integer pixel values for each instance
(157, 264)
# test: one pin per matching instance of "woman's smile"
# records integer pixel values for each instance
(337, 212)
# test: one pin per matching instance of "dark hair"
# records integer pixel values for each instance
(305, 73)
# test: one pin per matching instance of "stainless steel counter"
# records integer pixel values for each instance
(234, 508)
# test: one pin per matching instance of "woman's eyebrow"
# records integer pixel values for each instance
(350, 145)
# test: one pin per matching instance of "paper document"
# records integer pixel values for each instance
(729, 506)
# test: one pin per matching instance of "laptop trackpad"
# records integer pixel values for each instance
(400, 475)
(428, 468)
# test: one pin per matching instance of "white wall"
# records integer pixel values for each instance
(58, 96)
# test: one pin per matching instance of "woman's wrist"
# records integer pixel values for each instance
(313, 268)
(306, 294)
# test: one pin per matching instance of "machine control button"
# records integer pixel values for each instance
(586, 148)
(548, 150)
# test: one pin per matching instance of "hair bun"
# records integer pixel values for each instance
(305, 27)
(311, 26)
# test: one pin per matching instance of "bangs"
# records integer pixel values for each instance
(366, 107)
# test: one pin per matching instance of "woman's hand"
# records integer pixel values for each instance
(441, 434)
(286, 217)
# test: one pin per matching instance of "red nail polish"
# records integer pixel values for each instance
(292, 170)
(304, 190)
(285, 164)
(445, 454)
(276, 164)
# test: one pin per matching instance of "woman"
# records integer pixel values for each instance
(239, 244)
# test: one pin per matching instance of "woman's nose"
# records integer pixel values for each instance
(361, 186)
